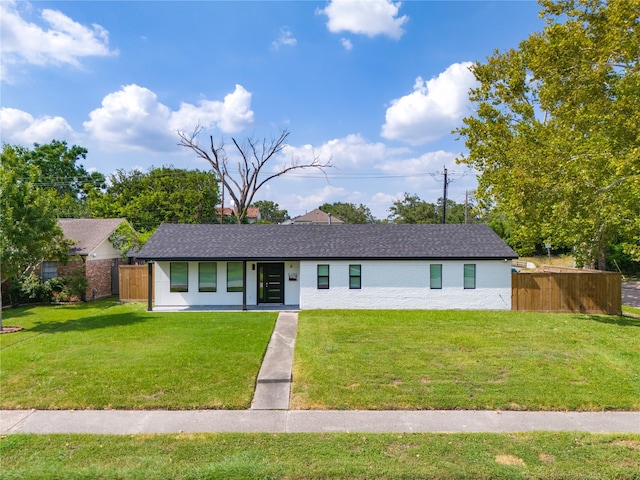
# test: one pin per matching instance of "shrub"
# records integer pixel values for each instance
(31, 289)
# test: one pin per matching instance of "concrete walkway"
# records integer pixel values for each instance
(274, 379)
(269, 412)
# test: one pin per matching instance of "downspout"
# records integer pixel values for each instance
(244, 285)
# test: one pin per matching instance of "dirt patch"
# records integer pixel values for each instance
(546, 458)
(628, 443)
(8, 329)
(509, 460)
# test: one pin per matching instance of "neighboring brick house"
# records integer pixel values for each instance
(92, 254)
(253, 214)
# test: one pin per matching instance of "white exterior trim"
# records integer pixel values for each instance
(386, 284)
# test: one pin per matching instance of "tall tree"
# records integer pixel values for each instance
(413, 210)
(29, 232)
(247, 173)
(555, 132)
(59, 171)
(270, 212)
(164, 194)
(349, 212)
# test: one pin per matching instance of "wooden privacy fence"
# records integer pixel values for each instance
(134, 283)
(578, 291)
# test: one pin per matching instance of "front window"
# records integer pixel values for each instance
(49, 270)
(179, 277)
(436, 276)
(234, 277)
(355, 276)
(207, 277)
(323, 277)
(469, 276)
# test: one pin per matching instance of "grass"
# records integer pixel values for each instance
(632, 310)
(466, 360)
(104, 355)
(555, 260)
(322, 456)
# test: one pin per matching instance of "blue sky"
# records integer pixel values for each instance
(374, 86)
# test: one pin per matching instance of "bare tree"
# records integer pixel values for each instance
(243, 184)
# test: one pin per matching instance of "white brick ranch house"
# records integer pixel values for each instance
(381, 266)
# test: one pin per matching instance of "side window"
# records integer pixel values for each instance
(234, 277)
(49, 270)
(435, 276)
(469, 276)
(207, 277)
(323, 276)
(355, 278)
(179, 277)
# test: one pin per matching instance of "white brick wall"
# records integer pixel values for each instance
(385, 285)
(405, 285)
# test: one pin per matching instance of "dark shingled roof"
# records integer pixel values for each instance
(312, 242)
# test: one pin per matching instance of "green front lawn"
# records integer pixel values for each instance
(466, 360)
(322, 456)
(105, 355)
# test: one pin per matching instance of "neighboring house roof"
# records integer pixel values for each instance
(312, 242)
(88, 233)
(252, 212)
(316, 217)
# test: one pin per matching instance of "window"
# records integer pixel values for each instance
(179, 277)
(234, 277)
(435, 281)
(355, 276)
(207, 277)
(469, 275)
(323, 276)
(49, 270)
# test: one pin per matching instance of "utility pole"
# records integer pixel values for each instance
(444, 198)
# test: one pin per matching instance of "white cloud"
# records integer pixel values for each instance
(22, 128)
(347, 153)
(134, 118)
(231, 115)
(286, 39)
(433, 109)
(346, 43)
(420, 167)
(63, 42)
(365, 17)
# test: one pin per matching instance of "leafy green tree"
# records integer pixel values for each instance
(270, 212)
(413, 210)
(163, 195)
(555, 131)
(59, 172)
(349, 212)
(29, 232)
(455, 211)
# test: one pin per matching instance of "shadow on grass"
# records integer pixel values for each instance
(89, 323)
(619, 320)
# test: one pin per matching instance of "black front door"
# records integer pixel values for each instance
(271, 283)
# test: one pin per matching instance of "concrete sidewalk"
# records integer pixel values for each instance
(282, 421)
